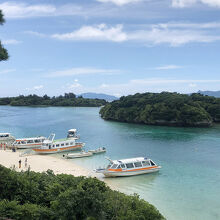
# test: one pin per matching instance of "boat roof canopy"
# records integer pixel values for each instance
(72, 130)
(4, 133)
(130, 160)
(31, 138)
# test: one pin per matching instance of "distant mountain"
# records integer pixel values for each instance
(210, 93)
(91, 95)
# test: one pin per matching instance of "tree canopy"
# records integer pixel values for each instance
(30, 195)
(68, 99)
(164, 108)
(3, 51)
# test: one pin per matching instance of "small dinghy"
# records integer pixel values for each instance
(98, 151)
(78, 155)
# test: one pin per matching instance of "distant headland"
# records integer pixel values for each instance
(171, 109)
(68, 99)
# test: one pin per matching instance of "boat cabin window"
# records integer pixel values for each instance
(30, 141)
(67, 143)
(37, 141)
(145, 163)
(114, 166)
(4, 136)
(18, 142)
(23, 142)
(137, 164)
(53, 145)
(109, 166)
(152, 163)
(47, 145)
(57, 145)
(71, 143)
(62, 144)
(122, 166)
(129, 165)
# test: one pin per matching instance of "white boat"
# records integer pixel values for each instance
(78, 155)
(129, 167)
(6, 138)
(28, 143)
(51, 146)
(98, 151)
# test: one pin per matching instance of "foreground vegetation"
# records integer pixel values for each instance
(29, 195)
(69, 99)
(164, 109)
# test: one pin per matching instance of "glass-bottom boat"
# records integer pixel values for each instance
(129, 167)
(51, 146)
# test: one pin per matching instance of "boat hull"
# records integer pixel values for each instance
(58, 150)
(28, 146)
(78, 156)
(108, 173)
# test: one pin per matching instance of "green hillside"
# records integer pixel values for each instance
(29, 195)
(164, 108)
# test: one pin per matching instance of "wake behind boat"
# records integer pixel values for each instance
(129, 167)
(51, 146)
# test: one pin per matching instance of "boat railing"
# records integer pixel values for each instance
(51, 137)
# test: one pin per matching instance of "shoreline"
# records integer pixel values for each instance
(41, 163)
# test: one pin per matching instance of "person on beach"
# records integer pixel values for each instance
(26, 162)
(19, 163)
(4, 146)
(1, 146)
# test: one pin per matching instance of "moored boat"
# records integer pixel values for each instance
(129, 167)
(78, 155)
(6, 138)
(51, 146)
(98, 151)
(28, 143)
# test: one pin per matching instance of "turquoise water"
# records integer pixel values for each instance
(187, 187)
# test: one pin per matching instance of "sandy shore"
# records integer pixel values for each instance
(41, 163)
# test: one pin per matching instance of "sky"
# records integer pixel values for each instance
(117, 47)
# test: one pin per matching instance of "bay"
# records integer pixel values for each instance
(187, 187)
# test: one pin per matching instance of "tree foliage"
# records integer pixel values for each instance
(69, 99)
(3, 51)
(164, 109)
(30, 195)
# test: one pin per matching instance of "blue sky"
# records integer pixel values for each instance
(117, 47)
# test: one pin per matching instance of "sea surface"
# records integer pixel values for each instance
(188, 185)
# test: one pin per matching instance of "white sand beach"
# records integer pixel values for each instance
(41, 163)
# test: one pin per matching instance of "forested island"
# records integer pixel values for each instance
(30, 195)
(164, 108)
(68, 99)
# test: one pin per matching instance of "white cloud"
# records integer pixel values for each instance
(173, 37)
(188, 3)
(168, 67)
(119, 2)
(82, 71)
(192, 85)
(11, 41)
(98, 33)
(74, 85)
(7, 71)
(35, 88)
(182, 3)
(158, 85)
(173, 34)
(21, 10)
(35, 33)
(38, 87)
